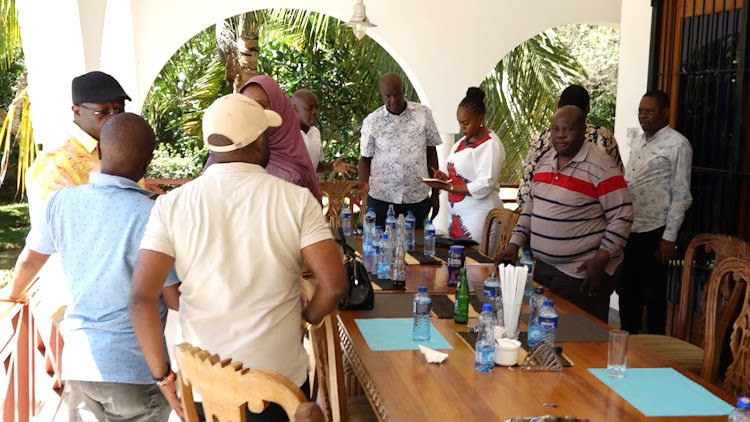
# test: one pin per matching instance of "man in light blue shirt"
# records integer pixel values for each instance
(658, 176)
(97, 229)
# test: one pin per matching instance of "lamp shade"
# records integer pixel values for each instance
(359, 22)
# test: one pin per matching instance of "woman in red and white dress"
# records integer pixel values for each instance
(474, 166)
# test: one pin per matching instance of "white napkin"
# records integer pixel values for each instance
(433, 356)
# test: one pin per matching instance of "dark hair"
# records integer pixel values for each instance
(474, 101)
(575, 95)
(661, 98)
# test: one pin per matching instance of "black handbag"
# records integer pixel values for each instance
(359, 294)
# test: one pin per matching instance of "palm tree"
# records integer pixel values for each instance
(16, 128)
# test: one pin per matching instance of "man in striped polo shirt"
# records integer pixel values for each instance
(578, 218)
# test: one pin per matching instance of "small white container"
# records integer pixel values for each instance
(506, 351)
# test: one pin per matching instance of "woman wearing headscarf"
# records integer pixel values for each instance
(289, 158)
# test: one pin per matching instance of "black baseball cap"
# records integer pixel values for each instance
(97, 87)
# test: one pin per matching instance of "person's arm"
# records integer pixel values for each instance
(329, 279)
(28, 265)
(614, 198)
(520, 235)
(339, 166)
(679, 181)
(606, 140)
(151, 271)
(363, 168)
(432, 163)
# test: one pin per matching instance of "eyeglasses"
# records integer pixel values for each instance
(103, 112)
(646, 112)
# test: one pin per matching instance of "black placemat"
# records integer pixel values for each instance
(445, 308)
(444, 255)
(384, 284)
(442, 306)
(471, 338)
(447, 242)
(577, 328)
(476, 256)
(424, 259)
(391, 306)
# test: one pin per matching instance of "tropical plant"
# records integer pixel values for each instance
(522, 93)
(16, 131)
(303, 49)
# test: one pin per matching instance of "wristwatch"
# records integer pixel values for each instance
(166, 379)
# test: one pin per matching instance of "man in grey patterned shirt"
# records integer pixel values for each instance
(658, 176)
(397, 151)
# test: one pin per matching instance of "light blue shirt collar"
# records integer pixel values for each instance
(104, 179)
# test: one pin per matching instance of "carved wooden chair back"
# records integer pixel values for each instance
(724, 313)
(506, 219)
(329, 369)
(340, 192)
(226, 387)
(690, 322)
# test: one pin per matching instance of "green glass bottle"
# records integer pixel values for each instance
(461, 312)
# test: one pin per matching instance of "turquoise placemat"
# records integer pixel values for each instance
(384, 334)
(664, 392)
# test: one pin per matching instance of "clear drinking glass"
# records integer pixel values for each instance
(617, 353)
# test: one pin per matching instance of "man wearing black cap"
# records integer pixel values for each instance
(573, 95)
(96, 97)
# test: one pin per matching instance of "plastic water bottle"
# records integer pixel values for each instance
(492, 295)
(375, 249)
(528, 262)
(422, 309)
(390, 220)
(536, 333)
(368, 235)
(484, 359)
(742, 412)
(429, 239)
(398, 268)
(548, 322)
(346, 220)
(384, 258)
(410, 223)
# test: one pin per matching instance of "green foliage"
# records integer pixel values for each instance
(14, 225)
(9, 81)
(169, 164)
(10, 34)
(522, 93)
(597, 48)
(188, 83)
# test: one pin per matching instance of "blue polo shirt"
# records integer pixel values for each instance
(97, 230)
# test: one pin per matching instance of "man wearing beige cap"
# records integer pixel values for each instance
(237, 237)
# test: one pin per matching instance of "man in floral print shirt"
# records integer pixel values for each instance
(397, 150)
(573, 95)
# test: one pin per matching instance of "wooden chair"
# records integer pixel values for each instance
(728, 304)
(337, 406)
(686, 347)
(507, 220)
(226, 387)
(338, 192)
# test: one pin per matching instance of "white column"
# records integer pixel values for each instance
(54, 55)
(441, 221)
(632, 75)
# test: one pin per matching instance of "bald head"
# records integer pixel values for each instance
(567, 131)
(306, 104)
(126, 146)
(392, 93)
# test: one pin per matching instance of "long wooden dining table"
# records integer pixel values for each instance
(402, 386)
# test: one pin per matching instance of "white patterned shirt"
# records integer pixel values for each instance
(658, 177)
(397, 144)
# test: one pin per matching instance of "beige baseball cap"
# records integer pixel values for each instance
(239, 118)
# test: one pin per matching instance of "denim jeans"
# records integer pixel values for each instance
(110, 401)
